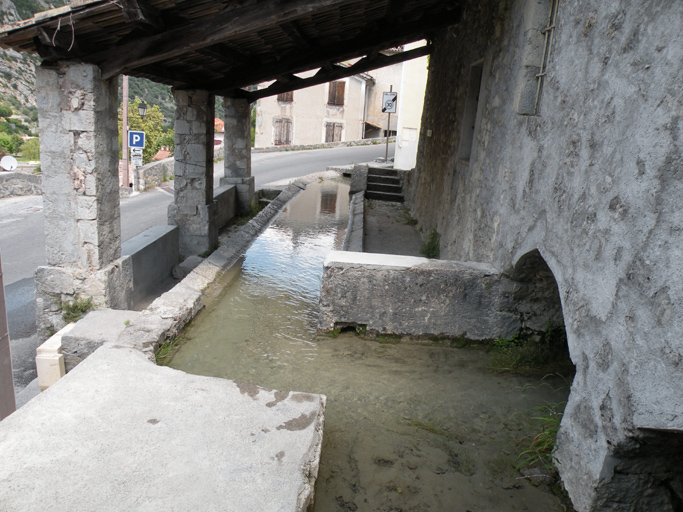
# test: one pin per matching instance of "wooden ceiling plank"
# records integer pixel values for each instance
(193, 37)
(139, 13)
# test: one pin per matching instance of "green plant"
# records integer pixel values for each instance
(126, 323)
(540, 444)
(31, 149)
(167, 350)
(361, 330)
(431, 248)
(74, 310)
(334, 333)
(37, 170)
(534, 354)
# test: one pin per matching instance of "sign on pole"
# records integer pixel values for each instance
(136, 139)
(136, 156)
(389, 102)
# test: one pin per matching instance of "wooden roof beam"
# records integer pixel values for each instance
(296, 35)
(141, 14)
(193, 37)
(336, 73)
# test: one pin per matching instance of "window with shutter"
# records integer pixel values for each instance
(286, 96)
(333, 132)
(283, 132)
(336, 94)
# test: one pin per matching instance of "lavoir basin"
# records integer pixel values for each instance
(408, 427)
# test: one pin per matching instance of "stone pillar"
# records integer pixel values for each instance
(193, 210)
(237, 146)
(77, 113)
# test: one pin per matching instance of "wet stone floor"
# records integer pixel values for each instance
(408, 427)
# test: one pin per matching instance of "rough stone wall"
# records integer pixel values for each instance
(237, 155)
(155, 173)
(79, 159)
(593, 184)
(193, 210)
(19, 184)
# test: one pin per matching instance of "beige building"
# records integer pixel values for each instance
(344, 110)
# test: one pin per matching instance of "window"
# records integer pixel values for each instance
(336, 94)
(286, 96)
(469, 117)
(283, 132)
(333, 132)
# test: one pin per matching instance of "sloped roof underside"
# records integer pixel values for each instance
(225, 45)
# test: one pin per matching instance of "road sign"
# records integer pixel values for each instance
(135, 152)
(136, 139)
(136, 161)
(389, 102)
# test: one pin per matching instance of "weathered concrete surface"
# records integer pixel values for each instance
(153, 253)
(593, 184)
(193, 210)
(91, 332)
(408, 295)
(353, 239)
(120, 433)
(20, 184)
(225, 199)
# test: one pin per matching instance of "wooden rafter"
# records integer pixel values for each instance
(182, 40)
(139, 13)
(336, 73)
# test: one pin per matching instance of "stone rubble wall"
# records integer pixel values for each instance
(20, 184)
(592, 184)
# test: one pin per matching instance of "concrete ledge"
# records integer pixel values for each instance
(50, 360)
(153, 253)
(420, 297)
(120, 433)
(323, 145)
(225, 199)
(353, 239)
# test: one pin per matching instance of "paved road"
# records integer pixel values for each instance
(22, 240)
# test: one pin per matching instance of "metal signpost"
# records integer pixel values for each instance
(136, 142)
(389, 107)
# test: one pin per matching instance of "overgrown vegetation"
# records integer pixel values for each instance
(167, 351)
(74, 310)
(535, 354)
(431, 248)
(540, 445)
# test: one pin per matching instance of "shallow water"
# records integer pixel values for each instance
(407, 427)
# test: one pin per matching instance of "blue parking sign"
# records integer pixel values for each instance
(136, 139)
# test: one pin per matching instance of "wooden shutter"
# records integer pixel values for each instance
(283, 132)
(329, 132)
(336, 95)
(338, 132)
(286, 96)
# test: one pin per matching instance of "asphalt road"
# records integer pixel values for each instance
(22, 239)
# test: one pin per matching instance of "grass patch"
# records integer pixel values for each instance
(167, 351)
(540, 444)
(536, 355)
(334, 333)
(431, 248)
(74, 310)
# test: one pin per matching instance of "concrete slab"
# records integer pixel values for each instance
(92, 331)
(120, 433)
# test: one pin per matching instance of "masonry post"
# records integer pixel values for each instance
(193, 210)
(237, 147)
(77, 113)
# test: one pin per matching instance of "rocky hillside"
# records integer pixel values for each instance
(17, 70)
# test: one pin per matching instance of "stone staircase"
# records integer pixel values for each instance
(384, 184)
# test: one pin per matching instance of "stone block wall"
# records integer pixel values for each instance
(154, 174)
(79, 162)
(591, 184)
(20, 184)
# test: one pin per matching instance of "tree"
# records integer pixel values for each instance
(31, 149)
(5, 111)
(151, 125)
(166, 140)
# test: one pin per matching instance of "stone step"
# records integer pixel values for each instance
(384, 196)
(387, 180)
(379, 187)
(381, 171)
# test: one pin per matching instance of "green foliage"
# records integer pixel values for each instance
(166, 140)
(27, 8)
(10, 143)
(5, 111)
(31, 149)
(72, 311)
(151, 125)
(540, 444)
(167, 351)
(534, 354)
(431, 248)
(152, 93)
